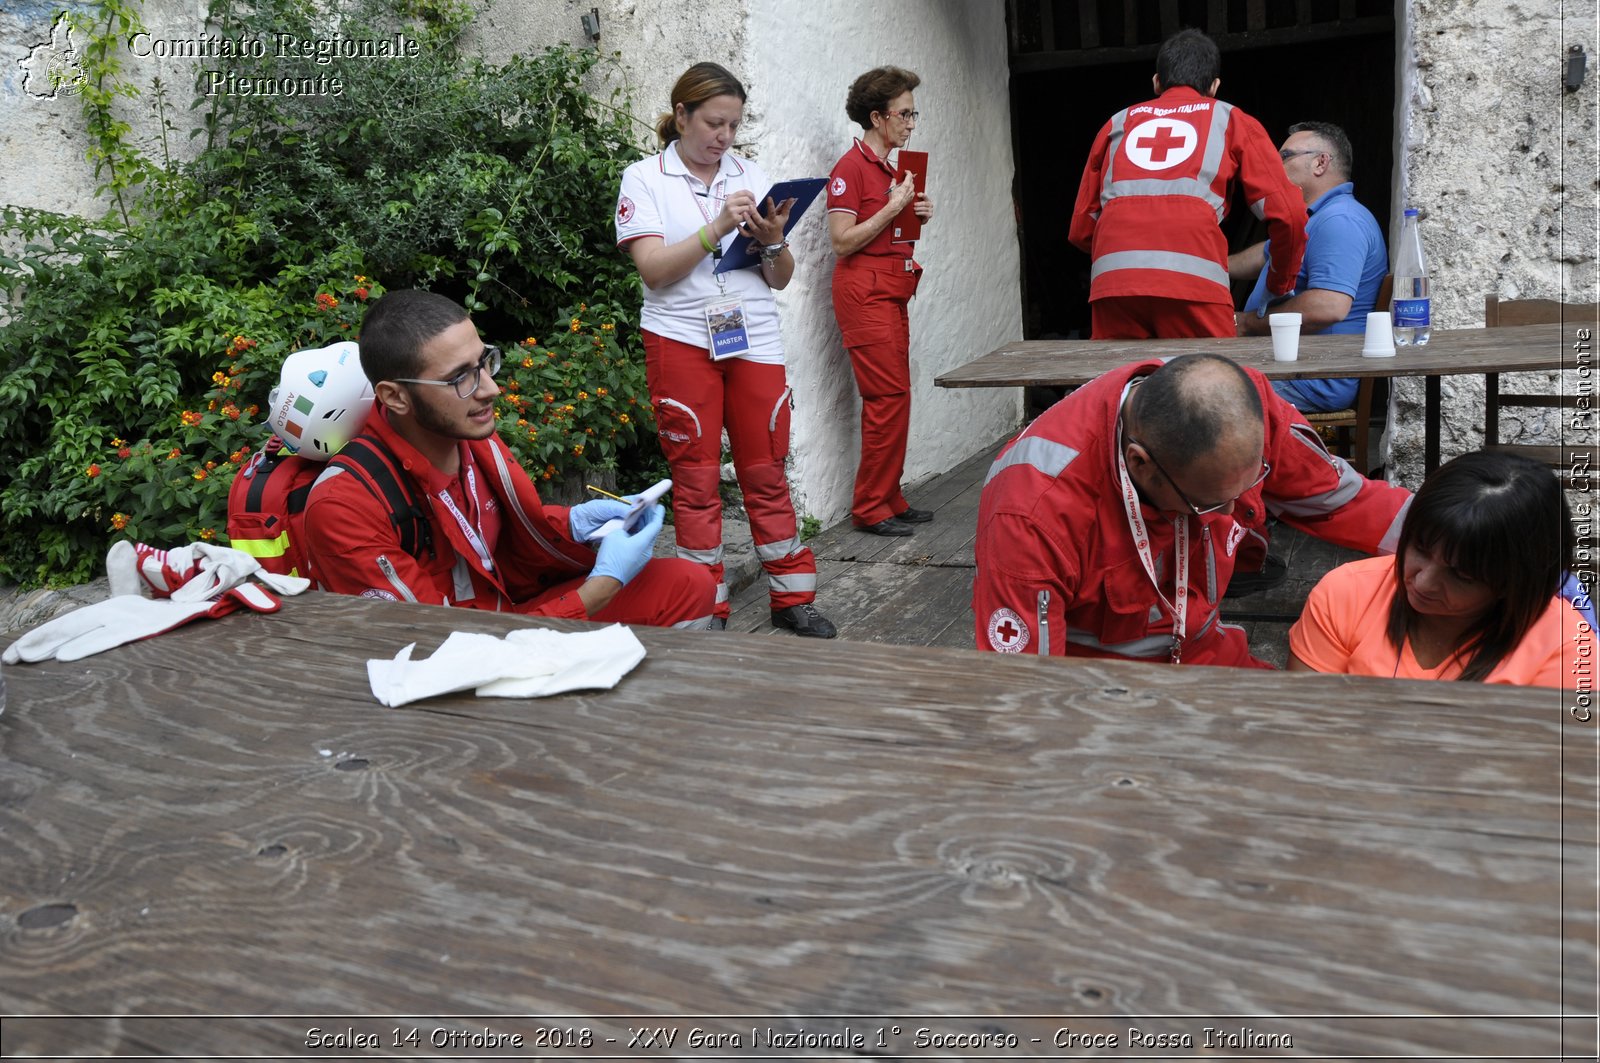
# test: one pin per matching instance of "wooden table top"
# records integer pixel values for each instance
(1069, 363)
(822, 839)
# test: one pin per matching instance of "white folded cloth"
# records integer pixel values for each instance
(528, 663)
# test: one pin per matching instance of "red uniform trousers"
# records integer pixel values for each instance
(695, 398)
(1149, 317)
(870, 293)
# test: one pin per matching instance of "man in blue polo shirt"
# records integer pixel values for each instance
(1344, 266)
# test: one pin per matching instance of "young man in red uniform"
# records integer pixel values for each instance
(1155, 189)
(491, 543)
(1111, 526)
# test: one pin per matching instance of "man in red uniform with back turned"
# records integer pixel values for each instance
(1155, 189)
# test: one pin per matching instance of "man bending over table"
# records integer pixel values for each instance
(1110, 526)
(489, 543)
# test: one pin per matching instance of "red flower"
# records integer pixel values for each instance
(125, 453)
(93, 471)
(191, 418)
(119, 521)
(326, 301)
(362, 293)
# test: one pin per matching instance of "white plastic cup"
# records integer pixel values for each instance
(1285, 337)
(1380, 337)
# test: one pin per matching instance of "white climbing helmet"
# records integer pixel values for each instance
(321, 401)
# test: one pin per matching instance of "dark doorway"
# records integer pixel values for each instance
(1074, 63)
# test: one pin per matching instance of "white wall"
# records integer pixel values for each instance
(802, 58)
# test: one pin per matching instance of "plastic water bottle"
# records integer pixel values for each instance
(1411, 322)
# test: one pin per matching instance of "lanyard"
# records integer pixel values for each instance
(716, 246)
(474, 535)
(1141, 544)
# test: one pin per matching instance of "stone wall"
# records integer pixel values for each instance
(1501, 162)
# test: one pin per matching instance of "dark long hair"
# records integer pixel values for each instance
(1502, 520)
(698, 84)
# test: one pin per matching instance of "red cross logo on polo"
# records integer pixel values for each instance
(624, 210)
(1160, 143)
(1007, 631)
(837, 188)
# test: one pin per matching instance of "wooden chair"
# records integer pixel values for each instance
(1497, 313)
(1352, 429)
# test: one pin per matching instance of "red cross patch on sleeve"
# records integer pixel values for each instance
(1008, 632)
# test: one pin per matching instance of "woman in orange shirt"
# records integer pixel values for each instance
(1471, 593)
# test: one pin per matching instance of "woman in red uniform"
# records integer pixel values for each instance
(872, 283)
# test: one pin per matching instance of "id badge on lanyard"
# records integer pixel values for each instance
(726, 331)
(1178, 606)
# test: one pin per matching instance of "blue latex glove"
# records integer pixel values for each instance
(586, 519)
(623, 554)
(1573, 592)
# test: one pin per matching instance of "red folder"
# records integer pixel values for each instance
(907, 227)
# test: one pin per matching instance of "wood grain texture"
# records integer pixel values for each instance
(1069, 363)
(784, 827)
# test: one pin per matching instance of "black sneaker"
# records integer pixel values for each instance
(915, 516)
(1273, 572)
(887, 526)
(804, 620)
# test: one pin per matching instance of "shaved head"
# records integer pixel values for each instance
(1199, 408)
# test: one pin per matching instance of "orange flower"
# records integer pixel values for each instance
(576, 325)
(527, 363)
(608, 327)
(548, 397)
(208, 534)
(220, 379)
(582, 307)
(578, 449)
(174, 453)
(119, 521)
(361, 293)
(232, 411)
(530, 342)
(623, 418)
(547, 475)
(252, 409)
(326, 301)
(211, 407)
(191, 418)
(92, 471)
(200, 474)
(582, 395)
(119, 442)
(210, 465)
(601, 392)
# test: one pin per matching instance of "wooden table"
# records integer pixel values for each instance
(1069, 363)
(823, 840)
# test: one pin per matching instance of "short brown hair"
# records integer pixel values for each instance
(698, 84)
(873, 90)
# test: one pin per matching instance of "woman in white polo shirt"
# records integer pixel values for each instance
(713, 353)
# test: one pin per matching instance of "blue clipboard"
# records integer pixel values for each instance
(802, 190)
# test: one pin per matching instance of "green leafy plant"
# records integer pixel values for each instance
(138, 348)
(577, 400)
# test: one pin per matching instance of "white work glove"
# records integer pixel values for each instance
(590, 517)
(198, 572)
(623, 554)
(125, 618)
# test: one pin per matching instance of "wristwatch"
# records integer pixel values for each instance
(770, 252)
